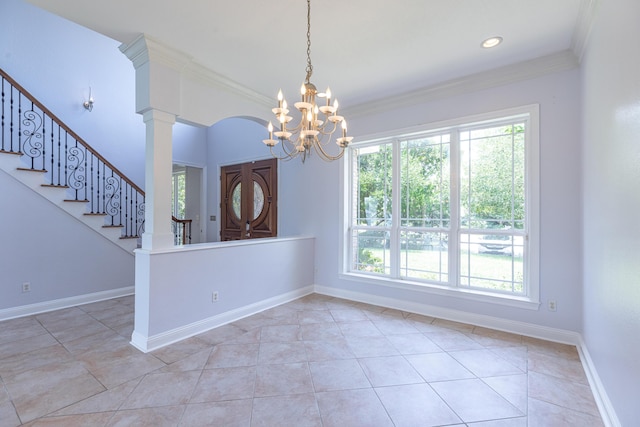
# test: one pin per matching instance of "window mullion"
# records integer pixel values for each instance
(395, 209)
(454, 206)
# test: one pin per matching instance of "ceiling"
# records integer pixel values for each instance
(364, 49)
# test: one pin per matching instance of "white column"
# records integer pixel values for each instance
(158, 161)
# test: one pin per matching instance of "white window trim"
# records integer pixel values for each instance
(529, 301)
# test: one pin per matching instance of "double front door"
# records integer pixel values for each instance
(249, 200)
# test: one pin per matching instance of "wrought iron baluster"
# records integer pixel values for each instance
(91, 192)
(111, 195)
(127, 208)
(140, 216)
(58, 159)
(120, 198)
(66, 159)
(134, 214)
(33, 144)
(52, 155)
(19, 122)
(44, 136)
(86, 171)
(3, 114)
(75, 161)
(98, 189)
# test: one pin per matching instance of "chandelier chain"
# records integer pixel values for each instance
(309, 66)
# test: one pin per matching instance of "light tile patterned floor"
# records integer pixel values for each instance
(316, 361)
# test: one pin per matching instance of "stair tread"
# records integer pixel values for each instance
(112, 226)
(17, 153)
(77, 201)
(32, 170)
(94, 214)
(54, 185)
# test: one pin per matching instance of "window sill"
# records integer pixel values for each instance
(467, 294)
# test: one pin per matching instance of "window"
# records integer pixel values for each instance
(178, 188)
(451, 207)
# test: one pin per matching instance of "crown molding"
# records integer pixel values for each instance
(525, 70)
(201, 74)
(144, 49)
(582, 30)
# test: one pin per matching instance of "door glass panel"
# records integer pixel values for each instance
(258, 200)
(236, 200)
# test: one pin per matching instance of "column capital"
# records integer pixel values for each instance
(153, 114)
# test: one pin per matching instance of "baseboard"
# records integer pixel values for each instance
(608, 414)
(43, 307)
(521, 328)
(147, 344)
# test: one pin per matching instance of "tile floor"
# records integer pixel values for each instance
(316, 361)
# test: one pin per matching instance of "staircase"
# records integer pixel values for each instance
(41, 152)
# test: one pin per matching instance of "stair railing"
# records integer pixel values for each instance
(181, 231)
(67, 161)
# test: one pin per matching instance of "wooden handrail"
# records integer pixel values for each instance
(181, 221)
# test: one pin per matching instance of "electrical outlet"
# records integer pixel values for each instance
(26, 287)
(552, 305)
(214, 296)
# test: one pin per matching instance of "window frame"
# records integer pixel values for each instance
(531, 297)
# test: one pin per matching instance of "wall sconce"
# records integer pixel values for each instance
(88, 105)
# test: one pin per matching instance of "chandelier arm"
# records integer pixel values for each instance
(331, 132)
(295, 130)
(320, 150)
(285, 158)
(294, 152)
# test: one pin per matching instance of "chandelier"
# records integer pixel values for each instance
(317, 123)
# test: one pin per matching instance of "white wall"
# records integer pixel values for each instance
(560, 264)
(58, 255)
(189, 145)
(611, 182)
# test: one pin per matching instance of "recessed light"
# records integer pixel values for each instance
(491, 42)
